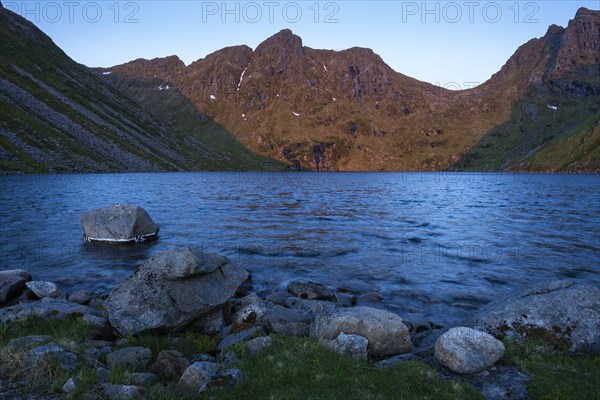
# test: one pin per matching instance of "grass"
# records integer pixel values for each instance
(292, 368)
(300, 368)
(556, 374)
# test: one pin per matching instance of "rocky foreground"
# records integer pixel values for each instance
(186, 290)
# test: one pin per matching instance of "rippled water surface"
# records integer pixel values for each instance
(435, 245)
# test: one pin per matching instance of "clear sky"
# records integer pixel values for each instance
(451, 43)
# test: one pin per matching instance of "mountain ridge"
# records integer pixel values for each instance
(348, 110)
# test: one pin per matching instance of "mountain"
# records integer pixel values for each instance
(242, 108)
(348, 110)
(554, 122)
(58, 116)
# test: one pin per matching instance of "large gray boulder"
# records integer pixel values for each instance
(565, 311)
(119, 223)
(173, 289)
(467, 351)
(12, 282)
(385, 331)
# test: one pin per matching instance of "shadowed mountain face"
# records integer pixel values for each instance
(348, 110)
(58, 116)
(310, 109)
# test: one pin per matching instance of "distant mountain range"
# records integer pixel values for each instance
(284, 105)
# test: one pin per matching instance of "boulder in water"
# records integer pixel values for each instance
(119, 223)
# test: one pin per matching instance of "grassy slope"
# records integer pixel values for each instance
(124, 137)
(193, 133)
(539, 138)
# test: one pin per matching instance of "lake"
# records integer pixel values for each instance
(436, 246)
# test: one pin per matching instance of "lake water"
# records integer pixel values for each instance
(435, 245)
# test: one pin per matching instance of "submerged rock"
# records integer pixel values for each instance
(385, 331)
(173, 289)
(467, 351)
(563, 311)
(119, 223)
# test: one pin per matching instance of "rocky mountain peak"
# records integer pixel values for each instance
(580, 48)
(279, 52)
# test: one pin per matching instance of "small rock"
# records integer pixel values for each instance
(170, 364)
(248, 310)
(95, 321)
(202, 357)
(28, 341)
(66, 359)
(230, 377)
(43, 289)
(196, 377)
(345, 299)
(129, 357)
(305, 288)
(93, 353)
(289, 322)
(123, 392)
(81, 297)
(370, 298)
(239, 337)
(144, 379)
(354, 346)
(97, 303)
(467, 351)
(12, 282)
(230, 357)
(103, 375)
(278, 298)
(258, 345)
(69, 385)
(312, 306)
(210, 324)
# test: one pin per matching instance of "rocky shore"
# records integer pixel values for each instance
(185, 290)
(189, 296)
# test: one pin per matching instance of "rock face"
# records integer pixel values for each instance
(12, 282)
(173, 289)
(567, 311)
(119, 223)
(386, 332)
(467, 351)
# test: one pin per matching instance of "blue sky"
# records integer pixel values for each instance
(450, 43)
